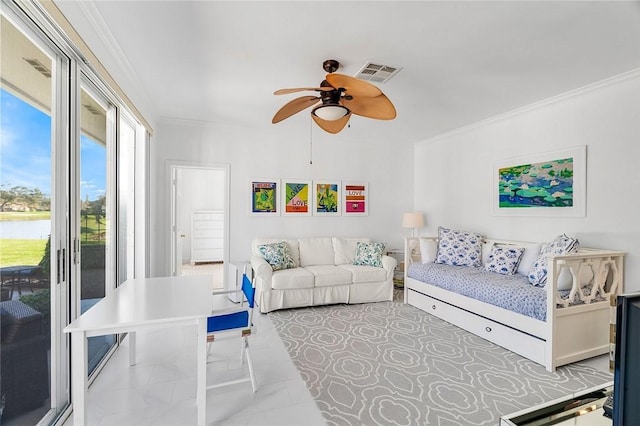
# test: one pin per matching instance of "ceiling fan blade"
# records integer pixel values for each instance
(302, 89)
(353, 86)
(294, 106)
(332, 126)
(379, 107)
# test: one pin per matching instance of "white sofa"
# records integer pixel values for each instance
(323, 274)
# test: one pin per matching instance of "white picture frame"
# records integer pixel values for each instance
(327, 197)
(355, 198)
(296, 197)
(269, 190)
(548, 184)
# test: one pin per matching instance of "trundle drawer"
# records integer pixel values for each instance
(521, 343)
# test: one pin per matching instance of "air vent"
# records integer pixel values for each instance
(93, 110)
(377, 72)
(38, 66)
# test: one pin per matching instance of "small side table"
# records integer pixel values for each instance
(398, 273)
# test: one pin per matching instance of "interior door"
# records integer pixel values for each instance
(197, 187)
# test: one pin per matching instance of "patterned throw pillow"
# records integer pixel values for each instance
(459, 248)
(504, 260)
(277, 255)
(560, 245)
(369, 254)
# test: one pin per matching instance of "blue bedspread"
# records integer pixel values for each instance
(512, 292)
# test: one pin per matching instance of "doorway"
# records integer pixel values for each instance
(199, 220)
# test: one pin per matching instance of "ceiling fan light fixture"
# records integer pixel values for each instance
(330, 112)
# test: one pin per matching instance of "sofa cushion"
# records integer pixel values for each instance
(286, 279)
(504, 260)
(560, 245)
(530, 255)
(277, 255)
(365, 274)
(294, 248)
(316, 251)
(485, 249)
(428, 250)
(345, 249)
(328, 275)
(459, 248)
(369, 254)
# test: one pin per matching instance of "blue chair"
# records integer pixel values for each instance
(238, 320)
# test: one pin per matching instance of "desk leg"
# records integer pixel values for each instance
(201, 379)
(79, 379)
(132, 348)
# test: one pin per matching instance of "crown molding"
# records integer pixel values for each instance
(610, 81)
(101, 29)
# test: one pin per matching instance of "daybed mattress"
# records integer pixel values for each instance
(512, 292)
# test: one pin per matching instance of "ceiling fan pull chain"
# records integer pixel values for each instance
(310, 141)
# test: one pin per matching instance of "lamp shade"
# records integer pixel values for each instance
(412, 220)
(330, 112)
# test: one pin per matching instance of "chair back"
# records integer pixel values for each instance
(248, 290)
(240, 319)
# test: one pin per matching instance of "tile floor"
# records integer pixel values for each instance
(160, 388)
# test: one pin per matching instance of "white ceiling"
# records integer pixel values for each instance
(462, 62)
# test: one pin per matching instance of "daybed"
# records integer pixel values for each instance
(554, 327)
(321, 271)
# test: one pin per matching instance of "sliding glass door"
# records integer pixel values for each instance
(126, 198)
(94, 210)
(34, 233)
(67, 146)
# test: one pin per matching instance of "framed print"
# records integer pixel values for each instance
(326, 198)
(296, 197)
(264, 197)
(549, 184)
(355, 196)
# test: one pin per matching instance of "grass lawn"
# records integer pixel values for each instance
(30, 252)
(25, 215)
(21, 252)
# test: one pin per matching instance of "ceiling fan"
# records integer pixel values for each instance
(339, 96)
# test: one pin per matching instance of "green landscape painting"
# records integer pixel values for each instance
(544, 184)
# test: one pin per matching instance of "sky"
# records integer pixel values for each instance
(25, 151)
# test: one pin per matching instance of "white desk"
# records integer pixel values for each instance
(136, 305)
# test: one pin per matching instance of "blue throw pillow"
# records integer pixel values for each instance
(459, 248)
(504, 260)
(560, 245)
(369, 254)
(277, 255)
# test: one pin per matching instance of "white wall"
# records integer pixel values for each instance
(279, 152)
(454, 174)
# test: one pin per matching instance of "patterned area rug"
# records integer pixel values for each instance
(391, 364)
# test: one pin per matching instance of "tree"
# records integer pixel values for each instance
(23, 198)
(7, 196)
